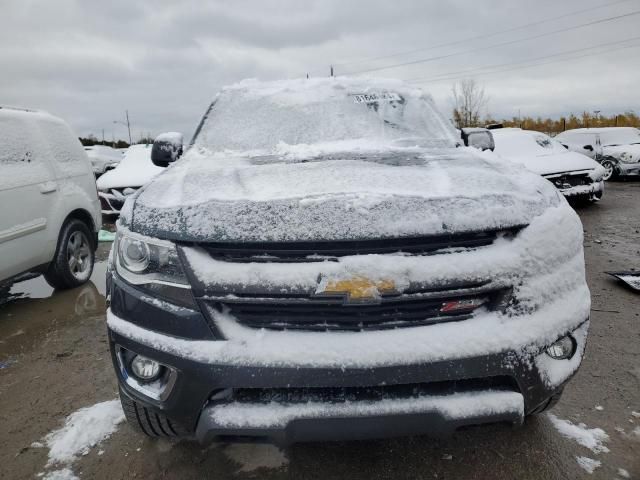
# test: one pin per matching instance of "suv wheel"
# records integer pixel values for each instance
(610, 169)
(72, 264)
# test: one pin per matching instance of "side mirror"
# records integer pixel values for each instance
(588, 147)
(167, 148)
(480, 138)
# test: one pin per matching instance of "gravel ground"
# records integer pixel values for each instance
(54, 360)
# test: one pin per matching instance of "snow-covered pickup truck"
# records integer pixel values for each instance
(324, 263)
(616, 148)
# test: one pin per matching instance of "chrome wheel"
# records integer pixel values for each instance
(79, 255)
(608, 168)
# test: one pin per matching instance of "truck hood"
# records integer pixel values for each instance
(208, 198)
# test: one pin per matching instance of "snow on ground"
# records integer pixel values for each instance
(62, 474)
(623, 473)
(588, 464)
(592, 438)
(82, 430)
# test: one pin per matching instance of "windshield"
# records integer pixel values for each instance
(263, 117)
(620, 137)
(522, 143)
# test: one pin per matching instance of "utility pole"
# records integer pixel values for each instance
(103, 136)
(128, 125)
(332, 70)
(597, 112)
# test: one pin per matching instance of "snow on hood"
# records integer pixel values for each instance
(134, 170)
(631, 153)
(381, 193)
(541, 154)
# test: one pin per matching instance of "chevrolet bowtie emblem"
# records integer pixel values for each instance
(357, 289)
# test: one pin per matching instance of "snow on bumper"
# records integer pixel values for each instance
(112, 201)
(593, 190)
(359, 419)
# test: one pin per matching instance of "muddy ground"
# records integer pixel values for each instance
(54, 360)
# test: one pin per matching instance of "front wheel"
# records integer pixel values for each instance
(73, 262)
(609, 168)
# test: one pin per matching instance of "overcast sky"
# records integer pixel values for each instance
(87, 61)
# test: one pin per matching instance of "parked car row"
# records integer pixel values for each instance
(577, 161)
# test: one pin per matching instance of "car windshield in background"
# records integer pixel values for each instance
(243, 119)
(545, 141)
(620, 137)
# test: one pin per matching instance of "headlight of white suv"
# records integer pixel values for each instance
(152, 265)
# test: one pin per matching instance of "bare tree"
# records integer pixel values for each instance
(469, 99)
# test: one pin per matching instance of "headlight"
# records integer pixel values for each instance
(134, 254)
(626, 157)
(152, 265)
(562, 349)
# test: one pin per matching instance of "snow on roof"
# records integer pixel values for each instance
(170, 137)
(308, 90)
(597, 130)
(29, 139)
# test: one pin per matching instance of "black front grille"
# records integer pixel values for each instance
(309, 251)
(334, 313)
(374, 393)
(568, 181)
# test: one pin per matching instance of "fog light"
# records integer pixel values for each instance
(562, 349)
(144, 368)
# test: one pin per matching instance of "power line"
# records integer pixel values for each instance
(510, 42)
(530, 66)
(479, 37)
(543, 57)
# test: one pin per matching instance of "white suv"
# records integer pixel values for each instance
(616, 148)
(50, 212)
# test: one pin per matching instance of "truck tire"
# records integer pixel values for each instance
(73, 261)
(149, 422)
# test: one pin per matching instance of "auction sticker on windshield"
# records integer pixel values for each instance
(375, 97)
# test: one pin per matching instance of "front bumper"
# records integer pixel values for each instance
(592, 191)
(294, 403)
(628, 169)
(111, 202)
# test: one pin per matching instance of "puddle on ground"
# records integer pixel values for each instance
(38, 288)
(29, 309)
(252, 456)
